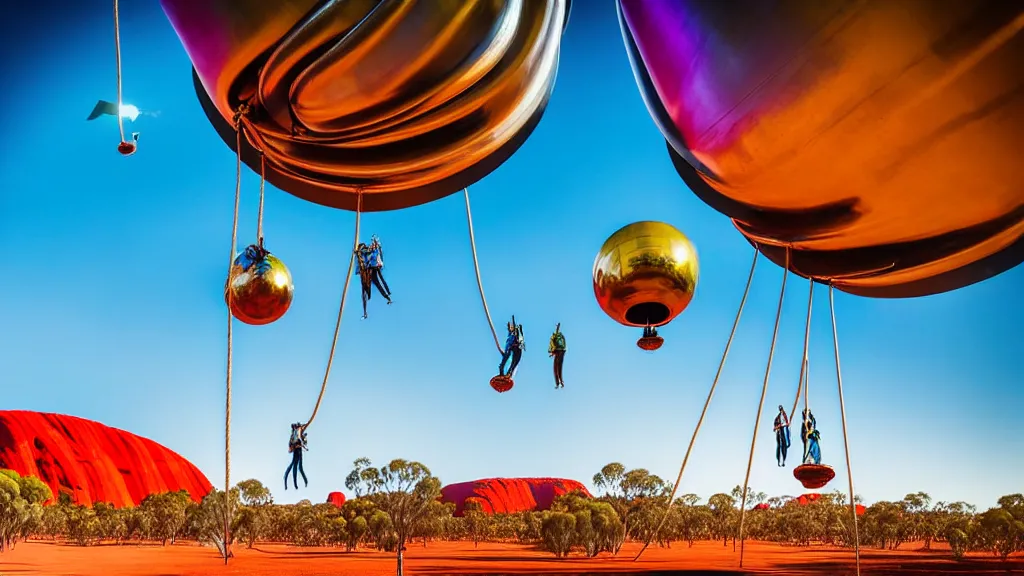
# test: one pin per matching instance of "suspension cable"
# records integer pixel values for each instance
(760, 406)
(476, 268)
(227, 399)
(117, 57)
(341, 310)
(259, 214)
(704, 411)
(846, 442)
(804, 364)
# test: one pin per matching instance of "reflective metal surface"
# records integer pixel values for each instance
(645, 273)
(406, 100)
(259, 288)
(881, 139)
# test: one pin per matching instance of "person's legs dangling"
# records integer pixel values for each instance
(784, 444)
(296, 463)
(504, 359)
(364, 282)
(380, 275)
(559, 359)
(376, 278)
(301, 471)
(778, 448)
(517, 354)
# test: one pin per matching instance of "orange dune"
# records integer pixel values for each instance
(43, 558)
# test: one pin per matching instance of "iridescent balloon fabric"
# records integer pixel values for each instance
(645, 274)
(880, 140)
(403, 101)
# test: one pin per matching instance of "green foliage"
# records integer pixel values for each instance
(399, 502)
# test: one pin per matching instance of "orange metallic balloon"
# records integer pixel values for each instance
(645, 274)
(400, 101)
(874, 144)
(259, 288)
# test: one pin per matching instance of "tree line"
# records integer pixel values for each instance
(398, 504)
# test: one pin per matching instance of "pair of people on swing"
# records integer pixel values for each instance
(515, 345)
(371, 270)
(808, 433)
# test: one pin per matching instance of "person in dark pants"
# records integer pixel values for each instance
(782, 439)
(369, 274)
(515, 344)
(556, 349)
(376, 262)
(296, 444)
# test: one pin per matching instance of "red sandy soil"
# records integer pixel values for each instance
(44, 558)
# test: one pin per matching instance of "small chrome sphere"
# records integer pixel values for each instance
(645, 274)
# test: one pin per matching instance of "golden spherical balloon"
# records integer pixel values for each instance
(259, 288)
(645, 274)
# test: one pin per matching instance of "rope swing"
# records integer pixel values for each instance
(341, 310)
(476, 268)
(227, 396)
(704, 411)
(846, 441)
(760, 405)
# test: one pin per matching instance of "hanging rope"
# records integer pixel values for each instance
(804, 365)
(259, 215)
(117, 56)
(227, 400)
(341, 310)
(703, 413)
(760, 406)
(476, 268)
(846, 442)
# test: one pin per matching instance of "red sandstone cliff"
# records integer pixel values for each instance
(92, 462)
(336, 498)
(509, 495)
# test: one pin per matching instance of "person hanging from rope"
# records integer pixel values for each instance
(367, 275)
(556, 349)
(377, 267)
(782, 439)
(811, 436)
(296, 444)
(515, 344)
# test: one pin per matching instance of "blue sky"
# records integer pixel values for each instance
(112, 303)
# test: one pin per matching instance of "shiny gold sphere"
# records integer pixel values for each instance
(645, 274)
(259, 288)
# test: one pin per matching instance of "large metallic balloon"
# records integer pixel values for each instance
(405, 100)
(645, 274)
(259, 288)
(880, 139)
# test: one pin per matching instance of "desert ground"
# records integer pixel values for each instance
(188, 559)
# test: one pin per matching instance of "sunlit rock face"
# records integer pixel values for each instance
(509, 495)
(92, 462)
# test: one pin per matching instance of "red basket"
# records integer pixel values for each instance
(814, 476)
(502, 383)
(650, 343)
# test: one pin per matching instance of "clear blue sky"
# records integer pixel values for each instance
(112, 302)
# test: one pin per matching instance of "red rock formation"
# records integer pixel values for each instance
(509, 495)
(92, 462)
(814, 497)
(336, 498)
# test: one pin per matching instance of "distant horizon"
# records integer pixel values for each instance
(114, 310)
(587, 483)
